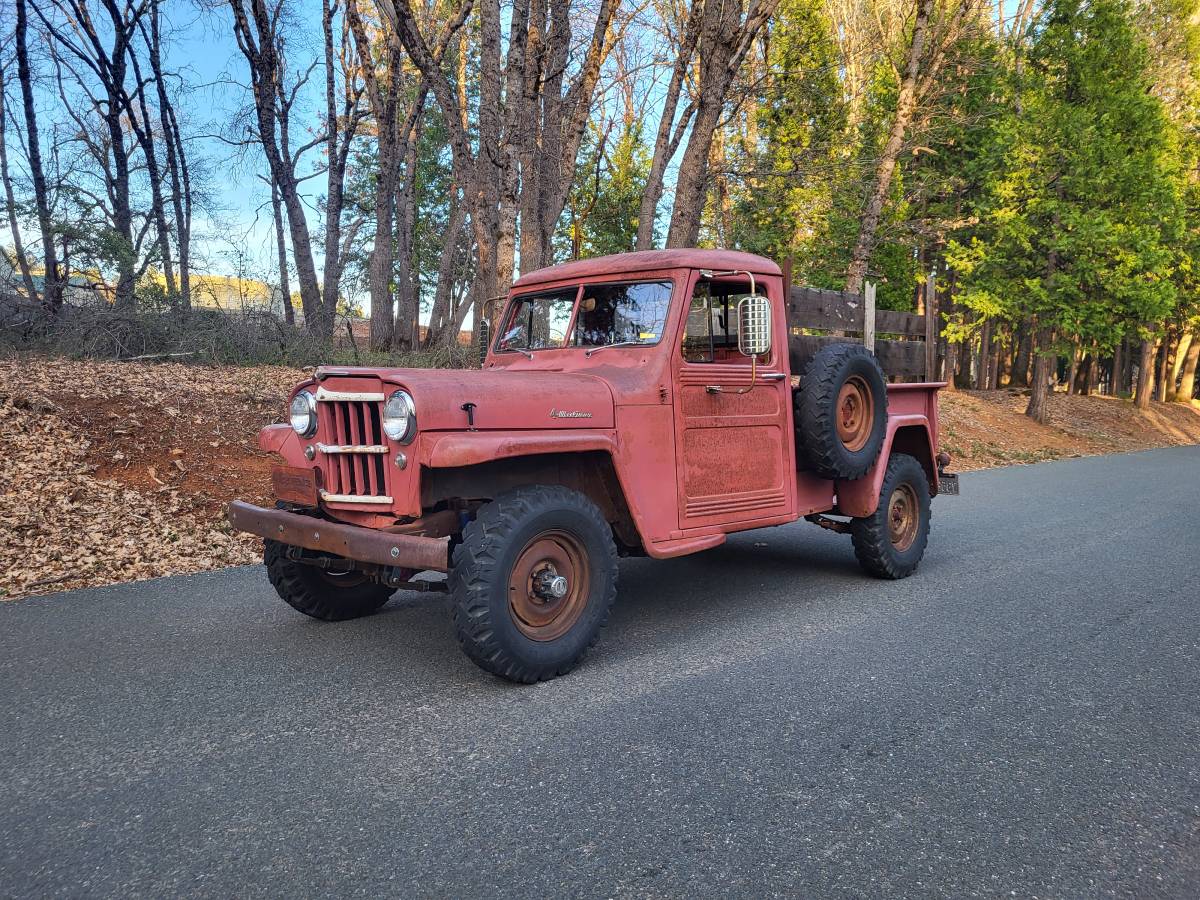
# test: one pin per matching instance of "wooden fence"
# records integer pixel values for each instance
(906, 344)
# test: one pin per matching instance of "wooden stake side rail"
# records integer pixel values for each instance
(905, 343)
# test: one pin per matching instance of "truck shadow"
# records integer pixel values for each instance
(655, 598)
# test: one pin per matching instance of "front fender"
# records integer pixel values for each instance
(910, 434)
(456, 449)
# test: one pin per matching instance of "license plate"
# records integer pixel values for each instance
(947, 484)
(294, 484)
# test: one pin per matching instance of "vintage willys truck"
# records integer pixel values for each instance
(640, 404)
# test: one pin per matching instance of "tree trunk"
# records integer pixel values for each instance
(554, 132)
(1145, 374)
(1020, 375)
(906, 103)
(285, 287)
(52, 291)
(440, 330)
(1187, 377)
(260, 45)
(983, 369)
(1118, 367)
(1043, 365)
(665, 145)
(1160, 385)
(405, 331)
(177, 168)
(1182, 350)
(158, 208)
(723, 43)
(13, 225)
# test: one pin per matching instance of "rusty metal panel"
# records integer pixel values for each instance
(295, 484)
(349, 541)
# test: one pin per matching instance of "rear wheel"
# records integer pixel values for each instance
(325, 594)
(532, 583)
(890, 542)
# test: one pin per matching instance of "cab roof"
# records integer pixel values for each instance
(646, 260)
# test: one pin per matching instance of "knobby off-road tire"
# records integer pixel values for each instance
(890, 542)
(316, 593)
(505, 615)
(841, 411)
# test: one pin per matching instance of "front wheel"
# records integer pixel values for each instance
(532, 583)
(890, 542)
(321, 593)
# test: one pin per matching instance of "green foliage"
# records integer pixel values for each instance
(602, 211)
(1080, 219)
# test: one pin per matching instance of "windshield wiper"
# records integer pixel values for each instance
(607, 346)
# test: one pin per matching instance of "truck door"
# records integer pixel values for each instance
(733, 417)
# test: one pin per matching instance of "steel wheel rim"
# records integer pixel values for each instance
(904, 515)
(855, 413)
(537, 613)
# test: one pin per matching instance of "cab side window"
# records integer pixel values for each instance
(710, 334)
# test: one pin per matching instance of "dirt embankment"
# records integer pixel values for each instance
(119, 471)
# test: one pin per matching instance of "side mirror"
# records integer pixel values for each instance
(754, 325)
(485, 340)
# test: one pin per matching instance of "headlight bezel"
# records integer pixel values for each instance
(309, 399)
(406, 432)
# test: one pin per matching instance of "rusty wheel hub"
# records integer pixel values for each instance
(855, 413)
(904, 514)
(549, 585)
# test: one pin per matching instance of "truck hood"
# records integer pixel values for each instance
(504, 400)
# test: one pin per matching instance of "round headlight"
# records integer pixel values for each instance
(400, 417)
(303, 413)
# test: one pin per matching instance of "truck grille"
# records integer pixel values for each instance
(355, 450)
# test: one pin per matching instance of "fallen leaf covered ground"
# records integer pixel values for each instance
(114, 472)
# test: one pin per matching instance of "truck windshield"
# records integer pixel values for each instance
(626, 313)
(622, 313)
(539, 321)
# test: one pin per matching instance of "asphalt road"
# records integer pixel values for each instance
(1020, 717)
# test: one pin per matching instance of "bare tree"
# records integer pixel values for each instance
(52, 292)
(670, 133)
(177, 169)
(396, 128)
(554, 113)
(491, 177)
(14, 225)
(725, 37)
(929, 42)
(258, 29)
(80, 37)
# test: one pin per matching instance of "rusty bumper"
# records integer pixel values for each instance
(351, 541)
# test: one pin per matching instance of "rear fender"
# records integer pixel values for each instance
(905, 434)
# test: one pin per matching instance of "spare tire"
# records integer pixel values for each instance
(841, 412)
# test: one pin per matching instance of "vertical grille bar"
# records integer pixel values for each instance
(339, 418)
(354, 423)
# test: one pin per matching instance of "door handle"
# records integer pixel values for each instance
(764, 376)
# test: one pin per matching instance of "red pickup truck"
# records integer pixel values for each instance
(644, 404)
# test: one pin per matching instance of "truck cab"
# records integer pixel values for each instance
(641, 404)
